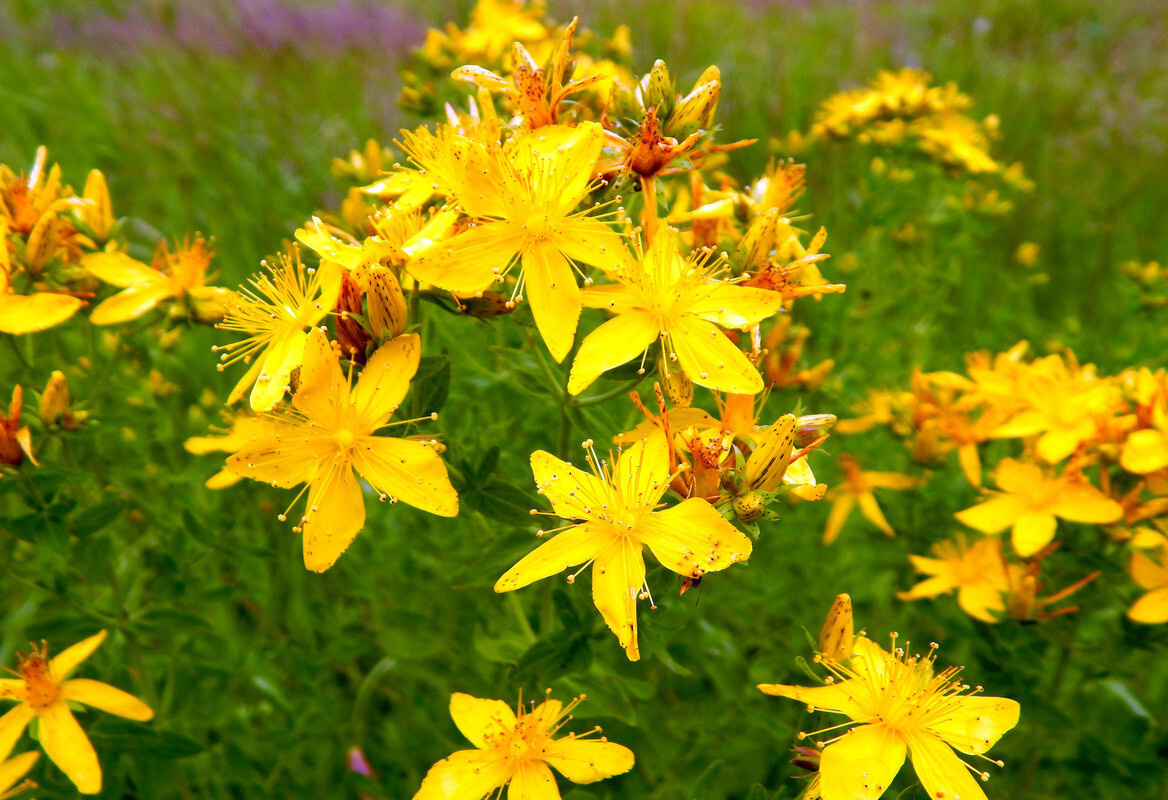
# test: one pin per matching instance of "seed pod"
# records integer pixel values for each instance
(749, 507)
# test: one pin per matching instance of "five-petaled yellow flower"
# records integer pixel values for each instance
(1030, 501)
(680, 301)
(44, 693)
(523, 198)
(857, 488)
(518, 748)
(899, 705)
(615, 517)
(977, 571)
(329, 433)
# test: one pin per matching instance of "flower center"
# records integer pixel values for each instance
(42, 689)
(344, 438)
(537, 226)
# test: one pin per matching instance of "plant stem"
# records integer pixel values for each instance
(649, 214)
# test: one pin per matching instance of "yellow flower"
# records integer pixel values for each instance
(899, 706)
(330, 433)
(1030, 501)
(44, 693)
(277, 315)
(179, 274)
(244, 427)
(518, 749)
(682, 302)
(13, 770)
(1151, 575)
(615, 516)
(978, 572)
(526, 211)
(21, 313)
(857, 488)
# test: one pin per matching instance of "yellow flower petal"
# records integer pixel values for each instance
(979, 600)
(1152, 608)
(1085, 503)
(974, 724)
(872, 512)
(941, 772)
(733, 306)
(67, 660)
(861, 764)
(1146, 572)
(1055, 445)
(385, 379)
(590, 241)
(335, 515)
(588, 760)
(836, 697)
(994, 515)
(13, 770)
(572, 492)
(480, 719)
(617, 341)
(645, 466)
(471, 261)
(283, 355)
(710, 359)
(12, 724)
(284, 457)
(130, 303)
(554, 297)
(840, 508)
(118, 269)
(1032, 532)
(465, 775)
(408, 471)
(574, 546)
(68, 747)
(533, 780)
(1145, 451)
(323, 391)
(692, 538)
(31, 313)
(617, 577)
(1018, 477)
(107, 698)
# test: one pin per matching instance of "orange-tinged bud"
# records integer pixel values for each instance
(749, 507)
(42, 242)
(696, 110)
(351, 335)
(812, 427)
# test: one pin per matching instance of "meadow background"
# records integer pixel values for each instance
(223, 118)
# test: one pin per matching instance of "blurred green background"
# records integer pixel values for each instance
(223, 118)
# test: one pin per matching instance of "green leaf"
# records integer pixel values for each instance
(94, 518)
(430, 386)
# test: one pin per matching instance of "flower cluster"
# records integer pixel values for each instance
(56, 245)
(1093, 449)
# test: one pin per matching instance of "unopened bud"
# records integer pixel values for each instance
(351, 334)
(768, 463)
(658, 91)
(98, 212)
(42, 242)
(696, 110)
(812, 427)
(388, 311)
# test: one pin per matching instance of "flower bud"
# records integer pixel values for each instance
(811, 427)
(696, 110)
(749, 507)
(768, 463)
(678, 387)
(387, 305)
(351, 334)
(98, 212)
(55, 404)
(657, 90)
